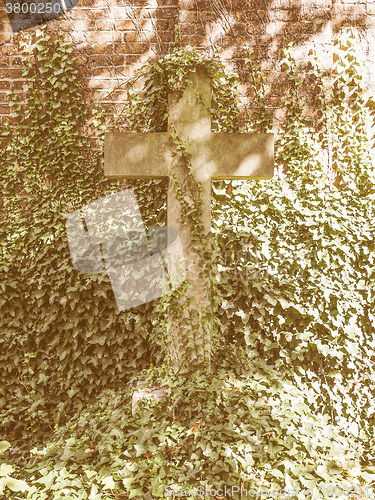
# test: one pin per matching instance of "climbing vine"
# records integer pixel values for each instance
(62, 337)
(289, 402)
(303, 295)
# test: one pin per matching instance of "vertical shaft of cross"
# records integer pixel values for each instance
(190, 119)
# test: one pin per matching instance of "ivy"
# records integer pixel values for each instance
(297, 288)
(6, 480)
(62, 338)
(147, 111)
(289, 400)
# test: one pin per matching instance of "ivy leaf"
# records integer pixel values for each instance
(4, 445)
(90, 473)
(15, 484)
(5, 469)
(108, 483)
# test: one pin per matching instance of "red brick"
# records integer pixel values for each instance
(121, 48)
(102, 60)
(105, 72)
(101, 48)
(166, 36)
(5, 26)
(131, 59)
(133, 36)
(5, 37)
(188, 28)
(12, 84)
(11, 73)
(101, 36)
(115, 96)
(186, 4)
(197, 41)
(92, 3)
(81, 13)
(115, 47)
(124, 25)
(81, 59)
(187, 16)
(5, 109)
(280, 4)
(104, 24)
(171, 12)
(4, 97)
(15, 60)
(139, 48)
(5, 84)
(82, 25)
(162, 24)
(99, 83)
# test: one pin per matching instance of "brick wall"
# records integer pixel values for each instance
(113, 38)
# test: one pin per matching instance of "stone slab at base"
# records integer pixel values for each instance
(145, 391)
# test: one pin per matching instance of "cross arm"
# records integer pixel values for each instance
(240, 156)
(136, 155)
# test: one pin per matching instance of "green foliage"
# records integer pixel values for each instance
(62, 337)
(7, 481)
(260, 119)
(290, 402)
(246, 424)
(349, 119)
(147, 111)
(297, 282)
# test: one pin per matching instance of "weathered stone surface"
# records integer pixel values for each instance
(213, 155)
(145, 391)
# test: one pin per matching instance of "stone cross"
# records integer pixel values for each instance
(221, 155)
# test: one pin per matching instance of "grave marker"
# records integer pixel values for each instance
(223, 155)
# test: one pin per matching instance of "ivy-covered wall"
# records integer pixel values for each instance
(54, 319)
(290, 401)
(113, 38)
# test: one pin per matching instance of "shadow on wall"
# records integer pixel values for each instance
(114, 38)
(230, 27)
(267, 27)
